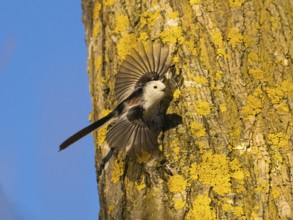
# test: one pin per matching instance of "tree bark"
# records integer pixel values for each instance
(231, 157)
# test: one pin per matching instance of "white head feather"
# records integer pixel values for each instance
(153, 93)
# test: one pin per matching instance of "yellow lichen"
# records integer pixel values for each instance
(235, 3)
(176, 59)
(96, 28)
(194, 2)
(201, 209)
(201, 80)
(238, 211)
(143, 157)
(253, 106)
(191, 47)
(140, 186)
(173, 14)
(150, 18)
(217, 38)
(177, 183)
(282, 107)
(96, 10)
(127, 42)
(258, 74)
(253, 57)
(176, 94)
(117, 171)
(193, 171)
(287, 87)
(172, 35)
(275, 94)
(197, 129)
(97, 63)
(102, 132)
(179, 203)
(236, 171)
(110, 209)
(202, 108)
(205, 54)
(121, 23)
(227, 207)
(223, 108)
(234, 37)
(108, 2)
(216, 170)
(143, 36)
(219, 75)
(278, 140)
(275, 192)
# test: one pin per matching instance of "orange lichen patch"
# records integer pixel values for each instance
(202, 108)
(216, 170)
(234, 37)
(117, 171)
(201, 209)
(197, 129)
(177, 183)
(122, 23)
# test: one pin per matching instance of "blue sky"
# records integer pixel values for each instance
(44, 98)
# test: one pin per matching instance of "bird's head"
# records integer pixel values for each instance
(154, 92)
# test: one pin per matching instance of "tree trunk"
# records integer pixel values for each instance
(231, 157)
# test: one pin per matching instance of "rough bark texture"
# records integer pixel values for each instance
(231, 157)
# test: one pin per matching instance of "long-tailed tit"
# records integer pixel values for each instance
(139, 88)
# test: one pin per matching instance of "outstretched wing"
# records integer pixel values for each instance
(131, 131)
(148, 63)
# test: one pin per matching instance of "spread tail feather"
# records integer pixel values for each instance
(83, 132)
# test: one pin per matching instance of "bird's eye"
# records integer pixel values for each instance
(155, 87)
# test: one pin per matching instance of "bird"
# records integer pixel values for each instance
(139, 88)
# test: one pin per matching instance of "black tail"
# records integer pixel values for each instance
(78, 135)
